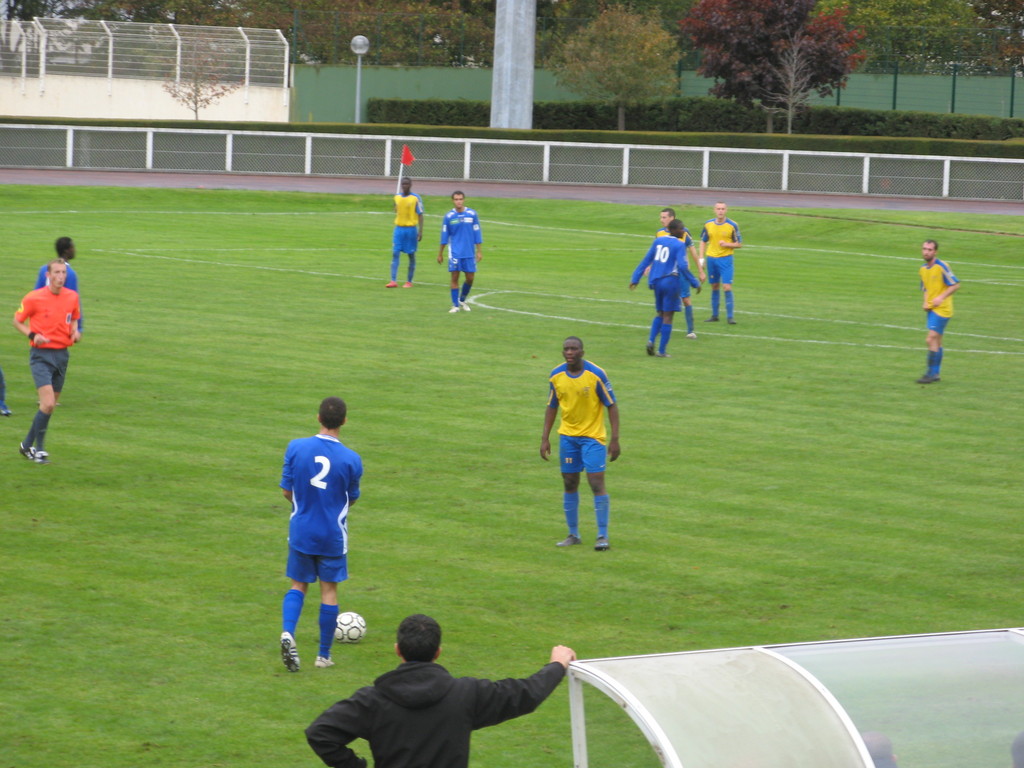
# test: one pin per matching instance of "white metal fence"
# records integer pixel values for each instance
(113, 49)
(152, 149)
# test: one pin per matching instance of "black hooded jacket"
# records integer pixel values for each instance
(419, 716)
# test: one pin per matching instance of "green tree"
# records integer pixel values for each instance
(913, 32)
(1008, 17)
(621, 58)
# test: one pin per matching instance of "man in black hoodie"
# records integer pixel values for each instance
(418, 715)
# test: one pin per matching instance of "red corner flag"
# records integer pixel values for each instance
(407, 158)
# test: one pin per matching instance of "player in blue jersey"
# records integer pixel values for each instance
(321, 480)
(583, 392)
(460, 231)
(408, 232)
(666, 215)
(718, 240)
(938, 283)
(65, 248)
(665, 267)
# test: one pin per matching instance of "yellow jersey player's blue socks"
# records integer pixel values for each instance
(728, 304)
(655, 328)
(328, 623)
(291, 609)
(455, 297)
(716, 297)
(395, 257)
(666, 334)
(412, 267)
(688, 310)
(602, 510)
(571, 505)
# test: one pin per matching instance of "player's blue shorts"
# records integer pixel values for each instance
(462, 265)
(684, 288)
(309, 568)
(666, 294)
(404, 240)
(937, 322)
(719, 269)
(581, 453)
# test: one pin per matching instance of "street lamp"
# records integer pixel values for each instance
(360, 45)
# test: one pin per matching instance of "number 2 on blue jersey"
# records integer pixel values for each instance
(317, 481)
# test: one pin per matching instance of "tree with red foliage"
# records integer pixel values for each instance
(744, 45)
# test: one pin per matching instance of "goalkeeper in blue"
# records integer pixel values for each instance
(666, 259)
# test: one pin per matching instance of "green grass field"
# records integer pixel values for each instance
(781, 480)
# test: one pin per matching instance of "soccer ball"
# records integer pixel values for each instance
(351, 628)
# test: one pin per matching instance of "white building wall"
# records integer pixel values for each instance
(124, 99)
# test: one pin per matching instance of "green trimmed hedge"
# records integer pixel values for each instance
(704, 114)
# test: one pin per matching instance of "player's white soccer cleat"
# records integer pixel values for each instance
(41, 457)
(289, 653)
(465, 306)
(691, 335)
(28, 452)
(453, 310)
(323, 662)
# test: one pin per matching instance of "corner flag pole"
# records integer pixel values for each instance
(407, 159)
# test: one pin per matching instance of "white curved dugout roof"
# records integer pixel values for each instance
(951, 700)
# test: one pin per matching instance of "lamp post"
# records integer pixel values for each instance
(360, 45)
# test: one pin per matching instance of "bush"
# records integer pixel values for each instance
(705, 114)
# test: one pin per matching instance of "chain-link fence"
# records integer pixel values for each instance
(142, 149)
(114, 49)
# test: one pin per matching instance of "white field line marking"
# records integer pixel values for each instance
(496, 223)
(475, 300)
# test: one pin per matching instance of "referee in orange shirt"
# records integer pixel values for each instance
(48, 317)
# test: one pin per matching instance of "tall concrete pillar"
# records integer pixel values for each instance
(515, 30)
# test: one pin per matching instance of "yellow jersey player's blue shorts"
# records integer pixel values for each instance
(937, 322)
(577, 454)
(720, 269)
(405, 240)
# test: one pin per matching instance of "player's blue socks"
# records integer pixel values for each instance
(934, 362)
(571, 505)
(666, 333)
(328, 623)
(688, 309)
(716, 297)
(455, 297)
(728, 304)
(655, 328)
(291, 609)
(602, 510)
(412, 267)
(396, 256)
(466, 288)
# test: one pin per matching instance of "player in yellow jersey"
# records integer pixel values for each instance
(584, 393)
(408, 231)
(938, 283)
(719, 238)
